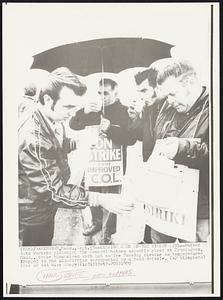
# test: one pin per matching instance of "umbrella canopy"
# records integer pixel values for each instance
(126, 84)
(103, 55)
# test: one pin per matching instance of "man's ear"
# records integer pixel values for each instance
(47, 100)
(116, 91)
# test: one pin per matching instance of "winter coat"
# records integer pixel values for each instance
(185, 126)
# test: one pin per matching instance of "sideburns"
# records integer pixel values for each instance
(53, 105)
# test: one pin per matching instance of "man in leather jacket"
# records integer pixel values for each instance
(142, 117)
(183, 127)
(43, 166)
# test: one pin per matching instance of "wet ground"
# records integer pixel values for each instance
(69, 229)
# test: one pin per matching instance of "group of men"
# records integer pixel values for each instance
(175, 108)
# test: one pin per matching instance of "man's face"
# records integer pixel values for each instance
(67, 104)
(108, 94)
(178, 95)
(147, 93)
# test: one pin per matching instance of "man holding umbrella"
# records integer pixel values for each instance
(43, 166)
(112, 116)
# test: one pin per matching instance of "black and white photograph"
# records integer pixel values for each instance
(114, 140)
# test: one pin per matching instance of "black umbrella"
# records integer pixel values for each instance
(103, 55)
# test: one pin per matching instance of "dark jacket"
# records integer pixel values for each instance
(117, 114)
(193, 124)
(43, 171)
(142, 128)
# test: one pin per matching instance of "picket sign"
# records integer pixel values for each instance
(170, 195)
(105, 166)
(130, 227)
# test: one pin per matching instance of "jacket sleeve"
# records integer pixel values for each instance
(39, 162)
(193, 154)
(136, 129)
(69, 145)
(121, 135)
(81, 120)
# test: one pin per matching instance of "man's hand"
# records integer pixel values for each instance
(104, 125)
(111, 202)
(135, 109)
(73, 144)
(133, 114)
(75, 197)
(168, 147)
(74, 110)
(114, 204)
(92, 107)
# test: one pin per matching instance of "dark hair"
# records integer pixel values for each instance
(149, 74)
(30, 90)
(59, 78)
(107, 81)
(181, 69)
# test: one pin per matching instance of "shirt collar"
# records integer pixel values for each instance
(198, 102)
